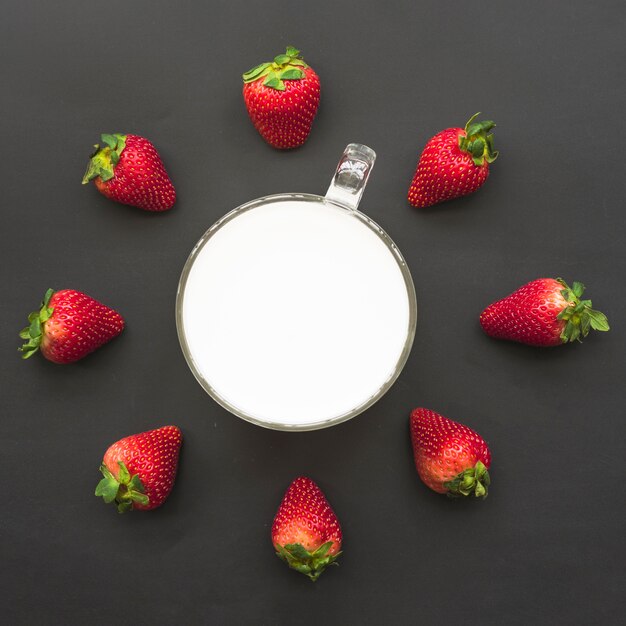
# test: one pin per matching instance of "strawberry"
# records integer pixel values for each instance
(544, 312)
(139, 471)
(454, 163)
(306, 533)
(449, 457)
(69, 326)
(282, 98)
(129, 170)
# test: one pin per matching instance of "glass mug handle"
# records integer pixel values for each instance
(348, 183)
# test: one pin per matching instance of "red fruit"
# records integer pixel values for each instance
(544, 312)
(69, 326)
(449, 457)
(306, 533)
(129, 170)
(139, 471)
(282, 98)
(454, 163)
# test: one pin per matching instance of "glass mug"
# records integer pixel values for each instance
(297, 311)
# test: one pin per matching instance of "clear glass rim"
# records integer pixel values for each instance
(404, 355)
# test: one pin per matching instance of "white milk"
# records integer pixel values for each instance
(295, 312)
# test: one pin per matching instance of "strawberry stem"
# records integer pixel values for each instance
(478, 141)
(103, 161)
(34, 332)
(123, 490)
(311, 564)
(284, 67)
(579, 315)
(473, 482)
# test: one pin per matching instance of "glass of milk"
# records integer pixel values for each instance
(297, 311)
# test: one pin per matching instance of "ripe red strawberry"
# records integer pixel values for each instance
(449, 457)
(306, 533)
(544, 312)
(454, 163)
(139, 471)
(129, 170)
(69, 326)
(282, 98)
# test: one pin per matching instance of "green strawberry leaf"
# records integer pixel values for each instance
(566, 313)
(107, 488)
(470, 121)
(472, 129)
(109, 140)
(477, 147)
(492, 156)
(291, 74)
(123, 507)
(35, 328)
(140, 498)
(256, 69)
(256, 72)
(105, 471)
(24, 333)
(281, 59)
(282, 553)
(598, 320)
(124, 474)
(578, 289)
(303, 568)
(135, 484)
(572, 331)
(566, 335)
(479, 128)
(585, 324)
(292, 52)
(298, 551)
(28, 351)
(322, 550)
(106, 173)
(274, 82)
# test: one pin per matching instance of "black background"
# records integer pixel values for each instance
(547, 546)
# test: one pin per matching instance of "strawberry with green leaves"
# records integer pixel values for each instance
(454, 163)
(139, 471)
(306, 533)
(544, 312)
(450, 458)
(129, 170)
(282, 98)
(68, 326)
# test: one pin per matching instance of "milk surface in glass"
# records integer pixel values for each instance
(295, 312)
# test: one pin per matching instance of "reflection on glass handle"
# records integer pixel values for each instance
(348, 183)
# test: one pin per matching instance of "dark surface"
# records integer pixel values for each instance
(547, 546)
